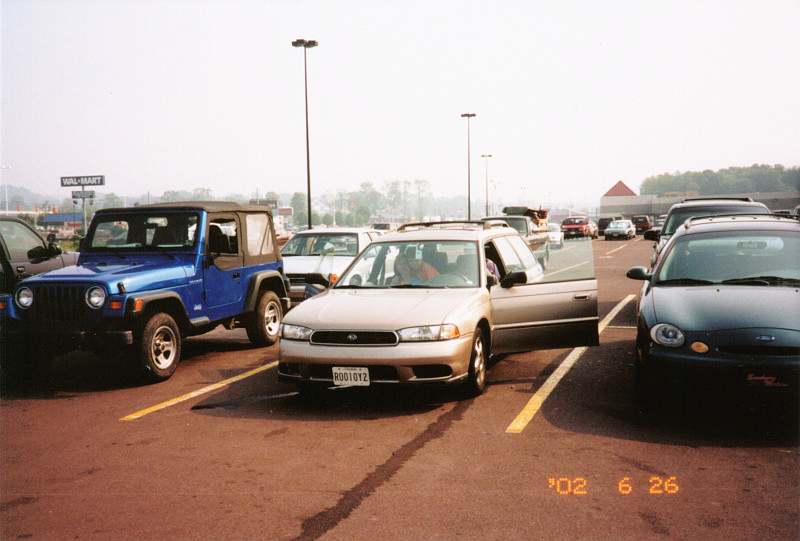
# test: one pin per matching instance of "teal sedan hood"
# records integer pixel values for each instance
(723, 307)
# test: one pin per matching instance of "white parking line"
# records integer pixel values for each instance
(526, 415)
(617, 249)
(168, 403)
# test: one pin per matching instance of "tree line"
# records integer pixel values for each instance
(733, 180)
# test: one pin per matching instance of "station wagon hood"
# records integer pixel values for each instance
(379, 309)
(721, 307)
(135, 276)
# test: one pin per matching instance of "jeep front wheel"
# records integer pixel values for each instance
(159, 347)
(265, 325)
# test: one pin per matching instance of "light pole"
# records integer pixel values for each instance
(487, 156)
(306, 44)
(6, 184)
(469, 182)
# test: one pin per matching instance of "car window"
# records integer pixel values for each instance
(19, 240)
(318, 243)
(430, 263)
(173, 230)
(677, 216)
(726, 256)
(259, 239)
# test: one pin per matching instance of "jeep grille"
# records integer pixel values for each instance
(59, 304)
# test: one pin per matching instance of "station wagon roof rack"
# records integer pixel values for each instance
(715, 198)
(690, 221)
(454, 224)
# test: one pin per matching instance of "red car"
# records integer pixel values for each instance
(578, 227)
(642, 223)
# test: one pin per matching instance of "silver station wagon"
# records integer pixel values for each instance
(432, 302)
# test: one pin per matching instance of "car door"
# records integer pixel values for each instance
(222, 273)
(27, 253)
(544, 310)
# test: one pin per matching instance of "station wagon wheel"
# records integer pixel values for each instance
(265, 325)
(476, 379)
(159, 347)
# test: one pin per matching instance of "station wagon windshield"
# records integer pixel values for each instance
(139, 231)
(423, 264)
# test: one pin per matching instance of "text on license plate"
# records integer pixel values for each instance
(350, 375)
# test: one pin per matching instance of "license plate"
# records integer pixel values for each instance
(350, 375)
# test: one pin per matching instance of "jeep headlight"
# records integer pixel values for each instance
(428, 333)
(24, 297)
(295, 332)
(95, 297)
(667, 335)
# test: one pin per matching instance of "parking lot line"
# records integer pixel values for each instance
(168, 403)
(526, 415)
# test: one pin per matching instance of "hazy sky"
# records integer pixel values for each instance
(570, 96)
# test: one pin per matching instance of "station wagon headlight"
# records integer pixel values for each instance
(295, 332)
(96, 297)
(429, 333)
(24, 297)
(667, 335)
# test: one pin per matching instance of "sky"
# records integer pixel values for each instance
(570, 97)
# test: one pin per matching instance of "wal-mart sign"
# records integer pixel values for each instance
(97, 180)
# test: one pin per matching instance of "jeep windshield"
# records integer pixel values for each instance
(142, 231)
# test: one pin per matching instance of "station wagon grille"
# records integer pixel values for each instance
(59, 304)
(355, 338)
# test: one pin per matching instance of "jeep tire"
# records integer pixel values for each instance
(159, 347)
(265, 324)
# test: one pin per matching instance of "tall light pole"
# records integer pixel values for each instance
(306, 44)
(6, 184)
(487, 156)
(469, 181)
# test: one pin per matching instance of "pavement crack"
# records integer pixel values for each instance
(316, 526)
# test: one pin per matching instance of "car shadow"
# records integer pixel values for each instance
(597, 397)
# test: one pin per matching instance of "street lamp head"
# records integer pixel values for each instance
(307, 43)
(468, 115)
(486, 155)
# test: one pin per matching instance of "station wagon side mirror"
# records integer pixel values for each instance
(638, 273)
(513, 278)
(491, 280)
(53, 249)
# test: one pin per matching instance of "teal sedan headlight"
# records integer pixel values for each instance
(428, 333)
(295, 332)
(667, 335)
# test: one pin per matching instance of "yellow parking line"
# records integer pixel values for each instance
(198, 392)
(533, 405)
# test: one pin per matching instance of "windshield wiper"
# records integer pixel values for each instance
(684, 281)
(763, 281)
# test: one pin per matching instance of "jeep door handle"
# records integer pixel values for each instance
(235, 275)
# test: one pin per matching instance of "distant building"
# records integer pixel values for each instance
(64, 222)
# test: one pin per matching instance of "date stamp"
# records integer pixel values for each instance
(579, 486)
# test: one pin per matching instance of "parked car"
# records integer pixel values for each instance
(147, 277)
(382, 323)
(385, 227)
(24, 253)
(642, 222)
(532, 225)
(325, 252)
(556, 236)
(620, 229)
(680, 212)
(721, 307)
(578, 227)
(602, 223)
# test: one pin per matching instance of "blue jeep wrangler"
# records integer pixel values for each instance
(146, 278)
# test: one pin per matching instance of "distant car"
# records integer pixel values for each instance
(385, 227)
(382, 325)
(642, 222)
(324, 252)
(721, 307)
(680, 212)
(24, 253)
(602, 223)
(578, 227)
(556, 236)
(620, 229)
